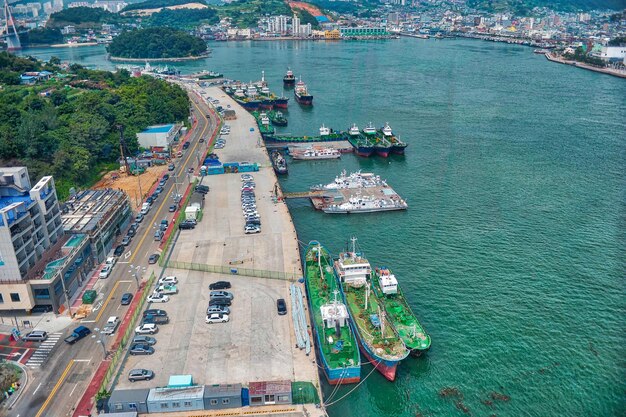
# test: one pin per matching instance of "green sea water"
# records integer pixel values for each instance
(512, 250)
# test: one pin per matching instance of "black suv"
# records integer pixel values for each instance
(281, 306)
(219, 302)
(155, 312)
(186, 225)
(119, 250)
(186, 145)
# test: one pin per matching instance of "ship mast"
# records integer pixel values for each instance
(319, 260)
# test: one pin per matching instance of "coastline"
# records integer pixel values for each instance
(71, 45)
(582, 65)
(180, 59)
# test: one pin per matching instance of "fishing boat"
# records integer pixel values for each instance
(279, 163)
(399, 313)
(356, 179)
(376, 337)
(312, 153)
(337, 348)
(278, 118)
(302, 94)
(289, 79)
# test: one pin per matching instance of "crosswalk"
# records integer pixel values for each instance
(41, 354)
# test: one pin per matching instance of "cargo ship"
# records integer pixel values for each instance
(362, 145)
(263, 121)
(337, 348)
(312, 153)
(246, 99)
(326, 135)
(397, 146)
(278, 118)
(399, 313)
(366, 204)
(279, 163)
(289, 79)
(377, 340)
(383, 147)
(302, 94)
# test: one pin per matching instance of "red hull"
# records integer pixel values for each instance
(388, 372)
(281, 106)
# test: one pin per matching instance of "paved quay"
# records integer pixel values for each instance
(256, 344)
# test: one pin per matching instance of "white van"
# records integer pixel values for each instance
(145, 208)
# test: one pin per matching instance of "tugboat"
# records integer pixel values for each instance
(302, 94)
(289, 79)
(278, 118)
(379, 343)
(279, 163)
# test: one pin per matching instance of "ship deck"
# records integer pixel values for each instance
(344, 194)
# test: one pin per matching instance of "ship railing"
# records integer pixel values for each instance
(233, 270)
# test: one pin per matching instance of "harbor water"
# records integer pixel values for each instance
(512, 250)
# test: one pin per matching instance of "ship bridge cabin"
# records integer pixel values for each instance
(353, 270)
(387, 280)
(334, 314)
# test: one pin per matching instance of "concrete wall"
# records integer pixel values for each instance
(24, 292)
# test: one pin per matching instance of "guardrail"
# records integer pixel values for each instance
(224, 269)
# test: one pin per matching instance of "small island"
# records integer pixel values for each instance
(156, 44)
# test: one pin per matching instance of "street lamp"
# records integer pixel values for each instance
(101, 341)
(137, 272)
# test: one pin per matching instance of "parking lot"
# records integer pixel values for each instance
(256, 344)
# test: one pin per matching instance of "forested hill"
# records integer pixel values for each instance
(67, 127)
(159, 42)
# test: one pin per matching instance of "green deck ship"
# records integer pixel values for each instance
(263, 121)
(336, 344)
(399, 312)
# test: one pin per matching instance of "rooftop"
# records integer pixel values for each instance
(86, 210)
(269, 387)
(165, 394)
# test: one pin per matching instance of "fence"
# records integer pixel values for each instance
(223, 269)
(130, 330)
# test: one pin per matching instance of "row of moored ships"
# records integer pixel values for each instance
(355, 308)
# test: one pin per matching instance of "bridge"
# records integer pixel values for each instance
(10, 31)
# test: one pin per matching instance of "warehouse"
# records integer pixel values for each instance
(158, 135)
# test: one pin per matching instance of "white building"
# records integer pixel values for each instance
(295, 25)
(278, 24)
(612, 53)
(159, 135)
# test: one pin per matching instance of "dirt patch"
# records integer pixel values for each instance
(314, 10)
(131, 184)
(148, 12)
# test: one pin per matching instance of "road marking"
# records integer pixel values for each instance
(56, 388)
(124, 280)
(97, 306)
(72, 391)
(127, 254)
(123, 262)
(87, 321)
(107, 301)
(82, 360)
(37, 389)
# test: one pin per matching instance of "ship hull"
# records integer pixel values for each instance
(267, 104)
(249, 105)
(304, 100)
(367, 210)
(383, 151)
(314, 158)
(281, 103)
(365, 151)
(398, 150)
(280, 122)
(289, 81)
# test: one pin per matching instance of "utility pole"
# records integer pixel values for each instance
(122, 148)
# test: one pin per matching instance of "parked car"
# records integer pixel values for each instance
(222, 294)
(281, 306)
(166, 176)
(186, 225)
(201, 190)
(218, 309)
(132, 231)
(119, 250)
(111, 260)
(155, 312)
(156, 297)
(111, 325)
(171, 167)
(35, 336)
(158, 190)
(252, 229)
(168, 280)
(126, 298)
(126, 241)
(186, 145)
(140, 374)
(216, 318)
(167, 289)
(162, 182)
(148, 328)
(219, 285)
(139, 217)
(141, 350)
(154, 258)
(173, 208)
(219, 302)
(246, 177)
(105, 272)
(155, 319)
(150, 199)
(144, 340)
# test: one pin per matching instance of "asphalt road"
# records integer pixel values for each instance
(55, 389)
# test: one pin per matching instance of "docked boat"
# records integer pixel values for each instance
(263, 121)
(397, 146)
(366, 204)
(337, 348)
(369, 130)
(362, 145)
(383, 147)
(377, 340)
(278, 118)
(385, 286)
(279, 163)
(354, 180)
(312, 153)
(289, 79)
(302, 94)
